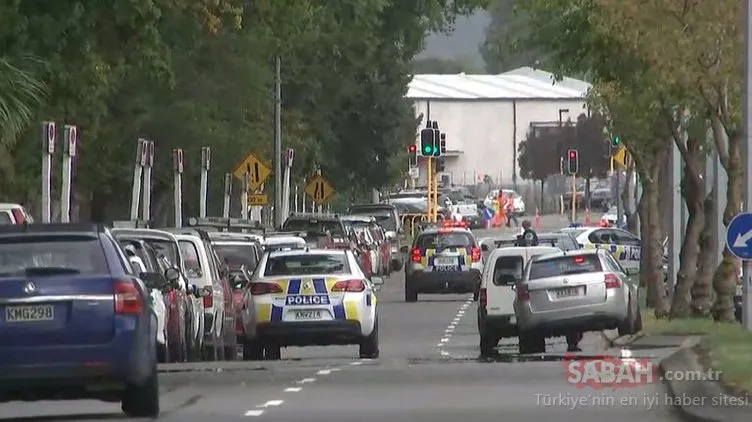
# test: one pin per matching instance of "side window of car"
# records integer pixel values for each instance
(602, 237)
(124, 262)
(626, 238)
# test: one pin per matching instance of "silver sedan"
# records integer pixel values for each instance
(574, 292)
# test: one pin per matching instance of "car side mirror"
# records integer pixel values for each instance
(172, 275)
(405, 249)
(484, 247)
(155, 281)
(401, 230)
(390, 236)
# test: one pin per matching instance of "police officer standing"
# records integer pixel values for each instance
(528, 237)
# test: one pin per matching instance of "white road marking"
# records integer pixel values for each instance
(449, 329)
(356, 363)
(254, 413)
(444, 353)
(271, 403)
(336, 369)
(292, 389)
(445, 339)
(324, 372)
(440, 345)
(306, 380)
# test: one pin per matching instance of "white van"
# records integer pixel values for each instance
(502, 269)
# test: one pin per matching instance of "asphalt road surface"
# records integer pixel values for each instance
(429, 370)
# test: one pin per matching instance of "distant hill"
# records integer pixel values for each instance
(464, 41)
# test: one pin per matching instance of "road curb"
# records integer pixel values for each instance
(686, 360)
(621, 341)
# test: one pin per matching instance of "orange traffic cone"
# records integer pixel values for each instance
(587, 217)
(537, 220)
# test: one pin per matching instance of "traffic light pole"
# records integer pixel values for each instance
(435, 193)
(429, 184)
(574, 197)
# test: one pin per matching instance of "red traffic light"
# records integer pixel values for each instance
(412, 148)
(572, 154)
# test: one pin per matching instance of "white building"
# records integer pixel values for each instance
(486, 116)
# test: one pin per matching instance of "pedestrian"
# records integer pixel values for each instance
(502, 209)
(511, 215)
(529, 237)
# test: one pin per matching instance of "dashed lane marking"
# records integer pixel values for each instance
(449, 331)
(259, 410)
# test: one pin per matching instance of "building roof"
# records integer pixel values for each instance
(522, 83)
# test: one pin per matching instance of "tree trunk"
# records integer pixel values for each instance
(701, 299)
(651, 257)
(690, 250)
(727, 273)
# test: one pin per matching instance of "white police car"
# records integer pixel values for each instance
(310, 297)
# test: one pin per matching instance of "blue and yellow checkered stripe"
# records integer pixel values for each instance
(271, 312)
(620, 252)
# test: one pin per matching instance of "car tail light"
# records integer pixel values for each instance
(612, 281)
(523, 293)
(475, 254)
(258, 289)
(209, 299)
(483, 297)
(416, 255)
(352, 286)
(128, 300)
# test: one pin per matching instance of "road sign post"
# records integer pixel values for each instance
(747, 264)
(146, 189)
(138, 170)
(204, 181)
(244, 196)
(48, 149)
(70, 144)
(319, 189)
(177, 168)
(228, 195)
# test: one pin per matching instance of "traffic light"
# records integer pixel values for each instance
(616, 143)
(436, 140)
(426, 142)
(572, 161)
(412, 155)
(442, 144)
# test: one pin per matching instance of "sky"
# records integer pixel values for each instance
(467, 36)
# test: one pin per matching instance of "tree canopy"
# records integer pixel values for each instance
(188, 74)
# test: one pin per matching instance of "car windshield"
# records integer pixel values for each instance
(51, 255)
(303, 264)
(445, 240)
(564, 265)
(384, 216)
(331, 227)
(237, 255)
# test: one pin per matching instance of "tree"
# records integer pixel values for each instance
(501, 49)
(691, 48)
(573, 43)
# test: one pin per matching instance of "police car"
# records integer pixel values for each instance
(314, 297)
(623, 245)
(443, 259)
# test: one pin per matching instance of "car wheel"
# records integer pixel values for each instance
(231, 349)
(252, 350)
(142, 401)
(638, 322)
(272, 352)
(488, 344)
(219, 345)
(369, 346)
(531, 343)
(627, 327)
(396, 265)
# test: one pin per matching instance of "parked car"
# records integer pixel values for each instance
(187, 296)
(205, 269)
(64, 288)
(14, 214)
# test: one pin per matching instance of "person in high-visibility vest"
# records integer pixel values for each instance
(503, 202)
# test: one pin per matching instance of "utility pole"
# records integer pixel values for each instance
(277, 155)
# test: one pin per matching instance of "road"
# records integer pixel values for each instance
(428, 371)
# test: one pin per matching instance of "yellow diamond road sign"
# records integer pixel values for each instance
(257, 170)
(319, 189)
(258, 199)
(622, 157)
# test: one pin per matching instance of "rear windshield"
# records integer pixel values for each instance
(507, 270)
(564, 243)
(237, 255)
(564, 265)
(445, 240)
(384, 217)
(190, 258)
(332, 227)
(51, 255)
(166, 249)
(292, 265)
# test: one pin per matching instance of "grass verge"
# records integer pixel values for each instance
(725, 347)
